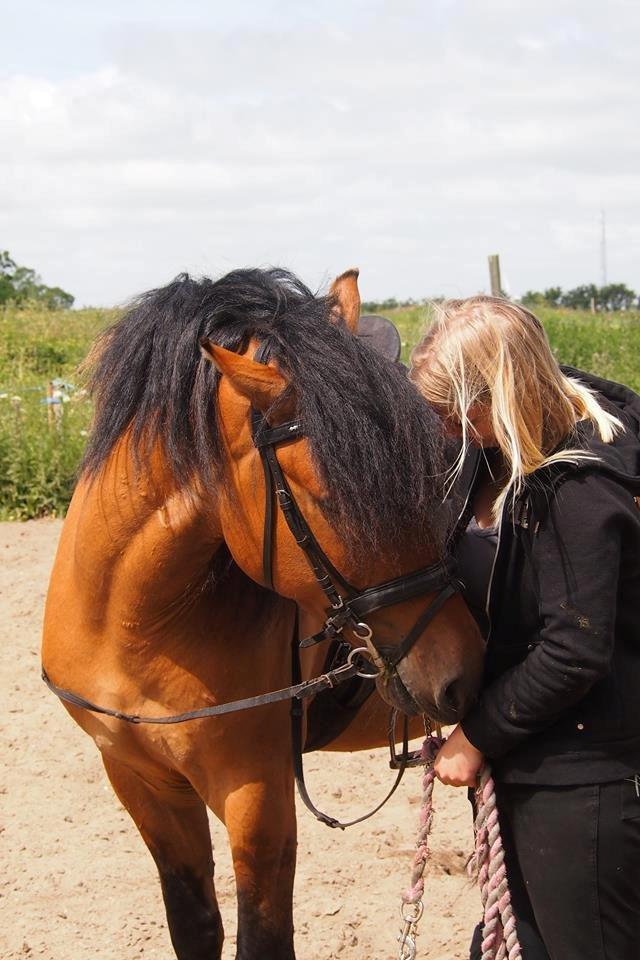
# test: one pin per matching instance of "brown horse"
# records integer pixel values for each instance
(157, 604)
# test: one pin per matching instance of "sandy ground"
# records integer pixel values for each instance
(76, 881)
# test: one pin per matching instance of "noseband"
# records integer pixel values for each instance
(348, 606)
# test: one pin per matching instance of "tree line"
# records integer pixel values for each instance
(588, 296)
(613, 296)
(22, 285)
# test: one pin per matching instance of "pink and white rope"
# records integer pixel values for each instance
(499, 935)
(413, 893)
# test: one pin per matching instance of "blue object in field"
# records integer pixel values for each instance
(60, 391)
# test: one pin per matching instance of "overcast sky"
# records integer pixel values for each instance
(412, 139)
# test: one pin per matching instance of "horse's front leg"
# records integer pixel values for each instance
(262, 831)
(173, 822)
(259, 814)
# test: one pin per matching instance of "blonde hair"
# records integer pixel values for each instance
(490, 352)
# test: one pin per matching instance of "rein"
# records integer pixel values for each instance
(298, 691)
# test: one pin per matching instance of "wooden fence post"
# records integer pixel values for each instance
(494, 275)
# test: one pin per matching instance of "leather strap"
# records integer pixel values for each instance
(426, 580)
(298, 765)
(353, 607)
(420, 626)
(297, 692)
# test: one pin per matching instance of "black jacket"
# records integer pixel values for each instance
(561, 702)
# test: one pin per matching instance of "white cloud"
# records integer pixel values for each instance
(413, 140)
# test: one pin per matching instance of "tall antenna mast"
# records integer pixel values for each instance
(603, 248)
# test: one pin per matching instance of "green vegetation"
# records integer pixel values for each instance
(606, 344)
(41, 443)
(22, 285)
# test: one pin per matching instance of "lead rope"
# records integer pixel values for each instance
(412, 907)
(499, 935)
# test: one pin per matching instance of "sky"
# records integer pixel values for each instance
(410, 138)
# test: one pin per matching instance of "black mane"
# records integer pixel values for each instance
(376, 443)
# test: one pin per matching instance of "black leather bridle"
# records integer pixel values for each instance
(347, 606)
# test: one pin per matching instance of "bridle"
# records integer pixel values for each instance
(347, 605)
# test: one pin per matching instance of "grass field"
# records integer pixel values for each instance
(39, 451)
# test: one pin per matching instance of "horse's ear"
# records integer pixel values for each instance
(262, 385)
(345, 290)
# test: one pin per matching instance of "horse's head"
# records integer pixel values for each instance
(319, 450)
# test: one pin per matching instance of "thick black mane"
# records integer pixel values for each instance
(375, 442)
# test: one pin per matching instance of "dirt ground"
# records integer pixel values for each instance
(76, 881)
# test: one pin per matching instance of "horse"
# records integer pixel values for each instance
(177, 586)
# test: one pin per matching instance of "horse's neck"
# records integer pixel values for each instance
(133, 537)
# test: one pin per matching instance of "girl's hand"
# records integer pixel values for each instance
(458, 762)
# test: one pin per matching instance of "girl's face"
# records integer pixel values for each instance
(480, 427)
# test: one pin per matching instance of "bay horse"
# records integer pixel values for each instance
(158, 600)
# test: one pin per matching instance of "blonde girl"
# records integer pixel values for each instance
(551, 561)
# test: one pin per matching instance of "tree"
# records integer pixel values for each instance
(7, 267)
(533, 298)
(580, 297)
(55, 298)
(617, 296)
(21, 285)
(553, 296)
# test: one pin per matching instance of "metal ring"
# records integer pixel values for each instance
(418, 907)
(361, 673)
(366, 633)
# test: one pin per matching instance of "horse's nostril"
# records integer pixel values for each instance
(454, 697)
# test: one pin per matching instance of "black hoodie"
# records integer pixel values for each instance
(561, 704)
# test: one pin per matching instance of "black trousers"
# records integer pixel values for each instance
(573, 861)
